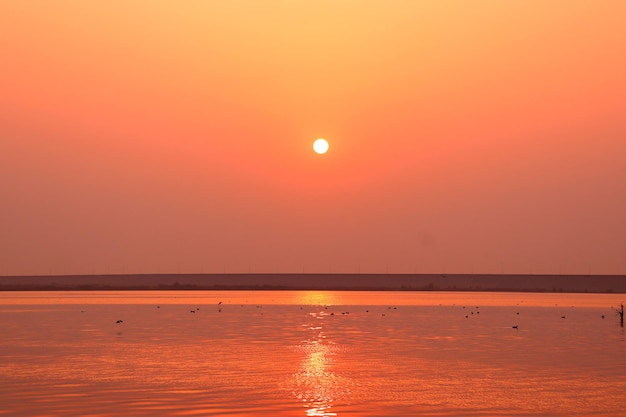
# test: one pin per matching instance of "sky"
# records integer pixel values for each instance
(167, 136)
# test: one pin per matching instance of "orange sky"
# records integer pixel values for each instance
(166, 136)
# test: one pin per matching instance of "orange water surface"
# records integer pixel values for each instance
(291, 353)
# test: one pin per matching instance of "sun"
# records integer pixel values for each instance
(320, 146)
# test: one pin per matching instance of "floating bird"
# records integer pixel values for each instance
(515, 327)
(120, 321)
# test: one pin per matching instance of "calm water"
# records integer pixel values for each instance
(296, 353)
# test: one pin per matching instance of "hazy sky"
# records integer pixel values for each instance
(171, 136)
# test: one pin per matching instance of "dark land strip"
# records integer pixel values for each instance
(290, 281)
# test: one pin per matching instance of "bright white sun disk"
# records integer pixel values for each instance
(320, 146)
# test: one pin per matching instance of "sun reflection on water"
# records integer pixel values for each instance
(316, 385)
(319, 298)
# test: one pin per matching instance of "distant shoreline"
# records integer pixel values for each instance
(334, 282)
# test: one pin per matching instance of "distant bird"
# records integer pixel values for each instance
(219, 303)
(158, 306)
(515, 327)
(603, 316)
(120, 321)
(562, 317)
(192, 311)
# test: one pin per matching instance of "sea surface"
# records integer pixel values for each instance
(310, 353)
